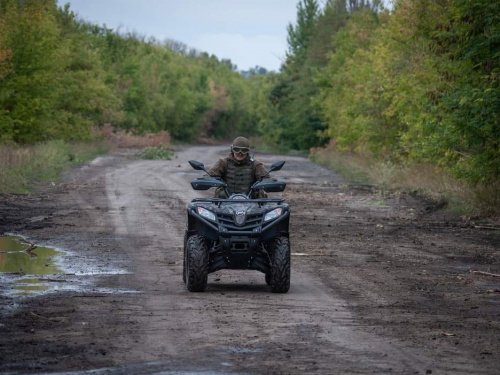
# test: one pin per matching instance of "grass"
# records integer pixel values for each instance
(24, 166)
(377, 203)
(425, 179)
(351, 168)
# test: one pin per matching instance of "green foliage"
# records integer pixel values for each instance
(300, 34)
(297, 120)
(350, 86)
(473, 136)
(292, 119)
(83, 98)
(156, 153)
(418, 85)
(30, 57)
(61, 76)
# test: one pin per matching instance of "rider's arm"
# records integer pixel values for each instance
(260, 170)
(219, 168)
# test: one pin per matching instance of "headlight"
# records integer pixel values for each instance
(206, 213)
(271, 215)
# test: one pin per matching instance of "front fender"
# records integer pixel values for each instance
(198, 224)
(276, 228)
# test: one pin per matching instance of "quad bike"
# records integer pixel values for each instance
(240, 232)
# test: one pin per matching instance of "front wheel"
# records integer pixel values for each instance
(196, 264)
(184, 259)
(280, 265)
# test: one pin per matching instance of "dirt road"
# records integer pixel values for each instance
(381, 282)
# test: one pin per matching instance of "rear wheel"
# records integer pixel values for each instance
(280, 266)
(196, 264)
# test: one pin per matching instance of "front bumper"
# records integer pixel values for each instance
(213, 231)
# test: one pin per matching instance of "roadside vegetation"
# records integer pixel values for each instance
(413, 89)
(156, 153)
(22, 167)
(428, 180)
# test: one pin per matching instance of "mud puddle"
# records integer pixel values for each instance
(28, 265)
(28, 270)
(17, 256)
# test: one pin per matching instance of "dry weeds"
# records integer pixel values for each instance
(23, 166)
(123, 139)
(14, 156)
(427, 179)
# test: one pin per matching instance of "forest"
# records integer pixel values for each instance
(414, 84)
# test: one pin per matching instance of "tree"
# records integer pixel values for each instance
(30, 63)
(299, 34)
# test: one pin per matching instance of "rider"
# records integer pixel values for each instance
(239, 170)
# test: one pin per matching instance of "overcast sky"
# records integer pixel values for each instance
(249, 32)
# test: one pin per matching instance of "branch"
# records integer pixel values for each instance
(485, 273)
(30, 249)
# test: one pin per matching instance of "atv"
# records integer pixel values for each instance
(240, 232)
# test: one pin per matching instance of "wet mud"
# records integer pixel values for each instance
(382, 282)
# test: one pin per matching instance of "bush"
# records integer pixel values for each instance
(156, 153)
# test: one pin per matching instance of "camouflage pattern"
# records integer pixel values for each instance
(239, 176)
(241, 142)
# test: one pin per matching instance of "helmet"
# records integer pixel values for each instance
(240, 145)
(241, 142)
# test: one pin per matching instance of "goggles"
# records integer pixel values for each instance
(240, 150)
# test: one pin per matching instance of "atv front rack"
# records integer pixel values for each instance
(260, 201)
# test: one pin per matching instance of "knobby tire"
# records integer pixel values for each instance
(184, 260)
(280, 266)
(197, 264)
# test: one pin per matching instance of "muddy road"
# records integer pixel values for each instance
(381, 282)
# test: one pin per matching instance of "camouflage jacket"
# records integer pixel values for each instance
(239, 176)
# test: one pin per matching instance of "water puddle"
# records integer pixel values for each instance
(19, 257)
(27, 261)
(28, 270)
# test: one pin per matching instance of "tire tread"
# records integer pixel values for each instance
(280, 266)
(197, 267)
